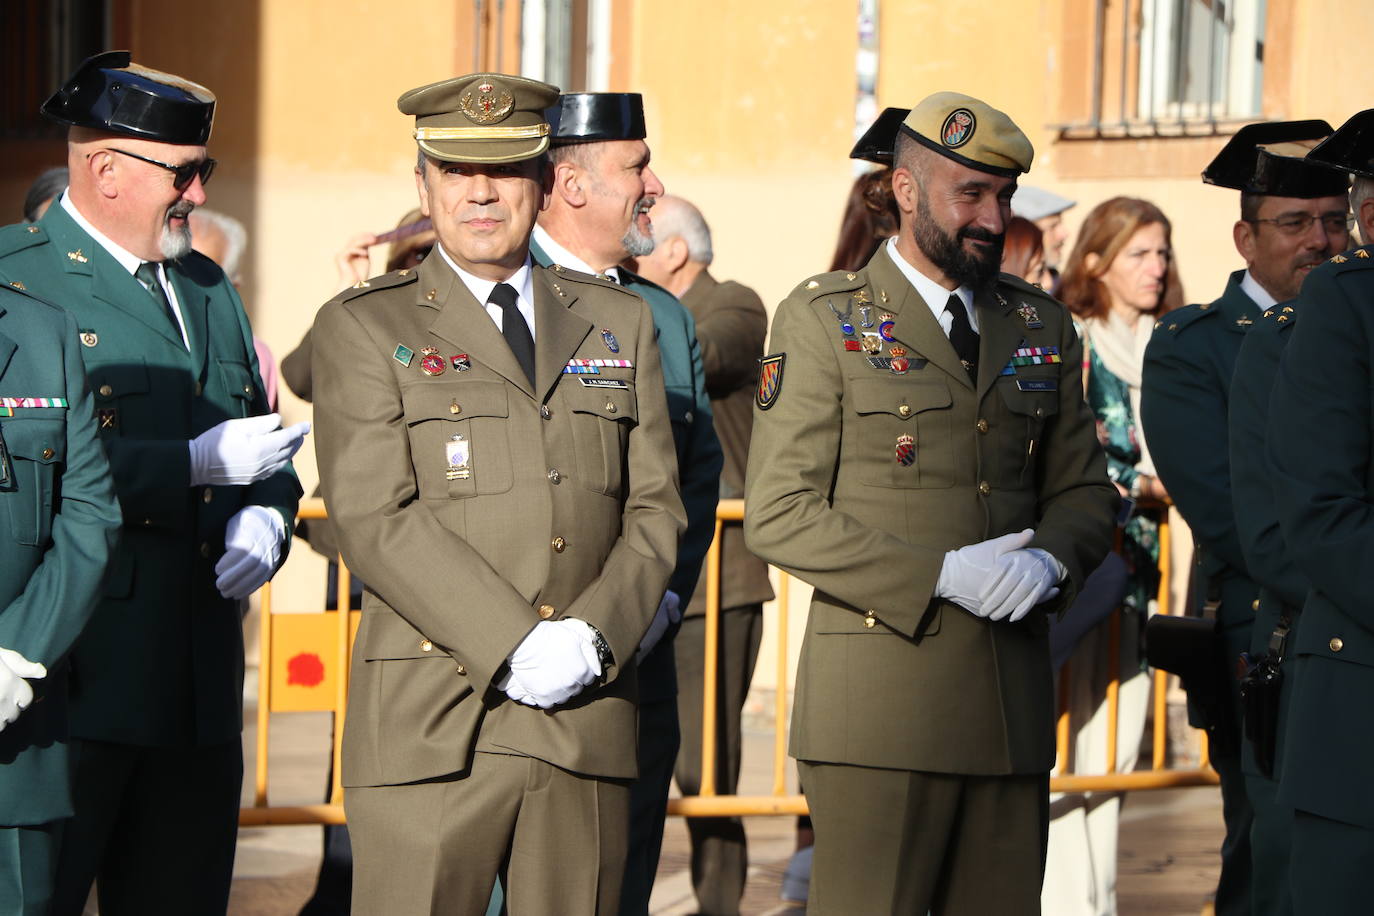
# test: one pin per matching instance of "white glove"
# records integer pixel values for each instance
(552, 664)
(967, 569)
(252, 549)
(669, 613)
(1021, 579)
(15, 692)
(238, 452)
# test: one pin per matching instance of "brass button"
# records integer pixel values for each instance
(985, 488)
(870, 623)
(205, 550)
(462, 669)
(610, 407)
(1336, 644)
(147, 523)
(687, 417)
(199, 389)
(545, 611)
(559, 545)
(1039, 412)
(982, 425)
(904, 410)
(106, 391)
(426, 646)
(554, 476)
(431, 294)
(208, 494)
(48, 453)
(1254, 605)
(33, 229)
(454, 408)
(248, 389)
(544, 411)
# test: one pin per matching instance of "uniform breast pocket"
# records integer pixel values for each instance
(36, 450)
(121, 390)
(602, 419)
(459, 445)
(238, 381)
(1031, 403)
(904, 432)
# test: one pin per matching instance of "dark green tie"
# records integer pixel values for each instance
(147, 275)
(962, 336)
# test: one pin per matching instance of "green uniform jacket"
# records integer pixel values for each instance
(698, 457)
(62, 521)
(829, 500)
(567, 507)
(161, 662)
(1183, 408)
(731, 327)
(1321, 444)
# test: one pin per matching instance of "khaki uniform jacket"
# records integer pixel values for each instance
(731, 327)
(569, 508)
(829, 501)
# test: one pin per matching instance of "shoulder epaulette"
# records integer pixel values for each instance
(1280, 317)
(19, 236)
(1028, 288)
(373, 284)
(562, 274)
(1178, 319)
(836, 281)
(17, 288)
(1355, 259)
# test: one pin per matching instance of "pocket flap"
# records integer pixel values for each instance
(1038, 404)
(608, 403)
(388, 635)
(41, 440)
(897, 397)
(112, 380)
(238, 378)
(454, 401)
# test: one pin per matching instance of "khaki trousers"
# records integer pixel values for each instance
(436, 847)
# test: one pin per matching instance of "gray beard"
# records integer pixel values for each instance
(636, 243)
(176, 243)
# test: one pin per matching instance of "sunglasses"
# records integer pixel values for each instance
(182, 175)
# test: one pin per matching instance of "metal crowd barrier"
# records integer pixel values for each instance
(280, 690)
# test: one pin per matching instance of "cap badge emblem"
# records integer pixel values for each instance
(486, 104)
(958, 128)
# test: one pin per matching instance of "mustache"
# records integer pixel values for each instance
(180, 210)
(644, 205)
(981, 235)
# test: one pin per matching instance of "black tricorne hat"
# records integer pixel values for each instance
(877, 143)
(588, 117)
(108, 92)
(1270, 158)
(1350, 148)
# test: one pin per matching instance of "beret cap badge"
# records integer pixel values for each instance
(958, 128)
(486, 104)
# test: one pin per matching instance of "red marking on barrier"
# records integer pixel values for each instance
(305, 669)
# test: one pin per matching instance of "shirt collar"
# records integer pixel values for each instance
(1258, 294)
(565, 258)
(126, 259)
(935, 295)
(481, 289)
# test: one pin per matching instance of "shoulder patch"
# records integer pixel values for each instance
(770, 380)
(19, 236)
(385, 281)
(1179, 319)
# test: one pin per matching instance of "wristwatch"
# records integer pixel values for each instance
(603, 650)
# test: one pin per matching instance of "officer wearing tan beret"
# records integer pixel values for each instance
(922, 455)
(495, 450)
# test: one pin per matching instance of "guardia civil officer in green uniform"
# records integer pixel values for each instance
(1319, 437)
(203, 478)
(923, 456)
(495, 450)
(1292, 215)
(603, 189)
(58, 533)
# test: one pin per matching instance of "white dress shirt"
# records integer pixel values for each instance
(565, 258)
(522, 280)
(935, 295)
(1258, 294)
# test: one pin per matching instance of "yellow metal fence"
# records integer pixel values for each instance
(315, 677)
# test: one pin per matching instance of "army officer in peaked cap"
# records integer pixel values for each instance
(922, 455)
(202, 472)
(495, 450)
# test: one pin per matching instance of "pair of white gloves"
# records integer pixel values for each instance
(15, 692)
(1000, 579)
(236, 453)
(557, 660)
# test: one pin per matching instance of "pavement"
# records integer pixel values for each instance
(1168, 844)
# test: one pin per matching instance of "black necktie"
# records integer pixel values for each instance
(514, 328)
(147, 275)
(962, 336)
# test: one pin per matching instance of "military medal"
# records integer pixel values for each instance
(457, 459)
(611, 343)
(89, 338)
(880, 362)
(1030, 316)
(885, 327)
(906, 450)
(899, 364)
(461, 362)
(431, 363)
(852, 345)
(403, 355)
(842, 317)
(871, 343)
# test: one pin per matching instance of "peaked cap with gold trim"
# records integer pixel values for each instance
(482, 117)
(971, 132)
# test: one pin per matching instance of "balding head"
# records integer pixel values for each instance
(682, 245)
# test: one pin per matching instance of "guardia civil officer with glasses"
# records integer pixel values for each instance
(202, 473)
(1293, 216)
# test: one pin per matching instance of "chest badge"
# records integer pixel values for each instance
(1030, 316)
(431, 363)
(846, 325)
(89, 338)
(871, 343)
(403, 355)
(886, 324)
(899, 364)
(906, 450)
(611, 343)
(461, 362)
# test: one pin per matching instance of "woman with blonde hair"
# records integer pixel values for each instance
(1119, 279)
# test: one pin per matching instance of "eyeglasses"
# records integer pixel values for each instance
(183, 174)
(1298, 224)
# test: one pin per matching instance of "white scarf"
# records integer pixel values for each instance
(1121, 348)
